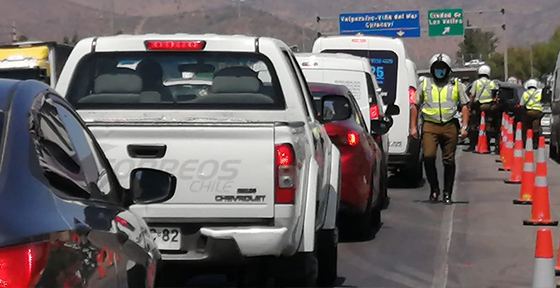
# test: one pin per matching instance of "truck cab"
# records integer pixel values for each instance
(42, 61)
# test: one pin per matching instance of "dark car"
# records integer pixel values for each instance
(361, 196)
(64, 220)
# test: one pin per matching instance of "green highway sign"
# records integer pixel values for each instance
(446, 22)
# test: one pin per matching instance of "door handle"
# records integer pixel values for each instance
(147, 151)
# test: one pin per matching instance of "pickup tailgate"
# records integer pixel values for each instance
(223, 170)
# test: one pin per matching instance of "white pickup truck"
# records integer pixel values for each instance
(232, 117)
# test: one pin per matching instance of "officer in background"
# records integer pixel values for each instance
(531, 101)
(482, 101)
(439, 102)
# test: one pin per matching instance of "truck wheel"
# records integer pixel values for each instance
(327, 257)
(384, 191)
(364, 224)
(414, 174)
(553, 152)
(300, 270)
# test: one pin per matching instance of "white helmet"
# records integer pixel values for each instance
(440, 57)
(531, 83)
(421, 79)
(484, 70)
(512, 80)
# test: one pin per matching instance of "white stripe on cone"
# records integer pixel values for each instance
(544, 273)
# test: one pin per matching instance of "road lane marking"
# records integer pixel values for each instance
(441, 272)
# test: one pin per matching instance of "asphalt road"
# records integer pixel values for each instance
(479, 241)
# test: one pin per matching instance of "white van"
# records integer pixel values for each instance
(388, 59)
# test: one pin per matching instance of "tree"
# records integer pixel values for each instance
(477, 43)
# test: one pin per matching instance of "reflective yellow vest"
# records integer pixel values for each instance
(483, 90)
(440, 105)
(532, 99)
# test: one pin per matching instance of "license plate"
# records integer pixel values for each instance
(166, 238)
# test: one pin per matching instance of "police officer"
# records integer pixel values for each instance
(439, 102)
(531, 101)
(482, 101)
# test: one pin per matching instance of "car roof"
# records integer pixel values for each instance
(329, 88)
(334, 61)
(373, 42)
(214, 42)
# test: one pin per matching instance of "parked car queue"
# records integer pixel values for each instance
(168, 91)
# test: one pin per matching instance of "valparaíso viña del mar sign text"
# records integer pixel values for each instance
(405, 24)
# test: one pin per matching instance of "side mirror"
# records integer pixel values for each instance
(151, 186)
(393, 110)
(381, 126)
(335, 108)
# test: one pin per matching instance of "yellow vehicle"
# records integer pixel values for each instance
(41, 61)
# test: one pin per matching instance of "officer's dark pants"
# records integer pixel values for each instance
(474, 121)
(446, 136)
(533, 122)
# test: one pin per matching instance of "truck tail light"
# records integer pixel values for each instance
(411, 95)
(353, 138)
(175, 45)
(286, 174)
(374, 112)
(22, 265)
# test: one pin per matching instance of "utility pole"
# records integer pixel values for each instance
(531, 57)
(112, 17)
(14, 32)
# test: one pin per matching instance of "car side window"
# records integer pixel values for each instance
(371, 90)
(358, 117)
(56, 154)
(95, 170)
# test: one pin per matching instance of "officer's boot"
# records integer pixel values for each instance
(448, 181)
(473, 139)
(431, 174)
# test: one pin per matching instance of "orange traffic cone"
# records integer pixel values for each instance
(482, 145)
(528, 177)
(517, 168)
(543, 273)
(503, 138)
(557, 268)
(100, 259)
(508, 147)
(540, 213)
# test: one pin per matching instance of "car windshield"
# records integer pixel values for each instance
(199, 80)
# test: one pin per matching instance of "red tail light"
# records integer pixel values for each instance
(353, 138)
(411, 95)
(286, 174)
(374, 112)
(22, 265)
(175, 45)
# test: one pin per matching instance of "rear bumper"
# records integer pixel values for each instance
(409, 158)
(354, 191)
(229, 245)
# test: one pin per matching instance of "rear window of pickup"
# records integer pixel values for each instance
(178, 80)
